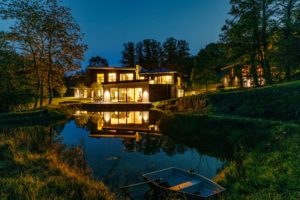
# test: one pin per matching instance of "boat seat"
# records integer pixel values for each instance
(184, 185)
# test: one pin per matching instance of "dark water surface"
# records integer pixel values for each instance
(121, 146)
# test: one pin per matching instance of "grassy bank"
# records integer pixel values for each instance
(42, 116)
(263, 157)
(277, 102)
(33, 165)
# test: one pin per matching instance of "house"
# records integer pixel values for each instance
(238, 75)
(131, 85)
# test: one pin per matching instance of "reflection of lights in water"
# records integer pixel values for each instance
(145, 115)
(106, 116)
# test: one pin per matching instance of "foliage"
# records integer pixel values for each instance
(62, 90)
(46, 35)
(35, 166)
(207, 63)
(98, 61)
(151, 54)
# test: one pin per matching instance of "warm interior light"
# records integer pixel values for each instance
(145, 116)
(145, 96)
(106, 96)
(107, 116)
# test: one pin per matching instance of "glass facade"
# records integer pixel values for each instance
(114, 95)
(112, 77)
(126, 77)
(100, 78)
(122, 94)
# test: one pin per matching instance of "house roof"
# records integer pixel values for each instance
(111, 68)
(157, 70)
(230, 66)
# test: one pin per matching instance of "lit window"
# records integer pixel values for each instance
(112, 77)
(138, 96)
(180, 93)
(178, 81)
(130, 117)
(130, 94)
(122, 94)
(126, 77)
(138, 118)
(166, 79)
(100, 78)
(142, 77)
(122, 117)
(114, 94)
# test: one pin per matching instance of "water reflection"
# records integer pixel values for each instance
(122, 145)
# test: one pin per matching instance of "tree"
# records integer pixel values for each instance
(128, 55)
(247, 34)
(98, 61)
(62, 90)
(148, 53)
(288, 33)
(170, 53)
(46, 34)
(206, 63)
(175, 55)
(15, 85)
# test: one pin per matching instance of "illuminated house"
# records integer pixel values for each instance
(131, 85)
(240, 76)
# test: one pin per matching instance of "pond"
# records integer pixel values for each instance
(121, 146)
(118, 146)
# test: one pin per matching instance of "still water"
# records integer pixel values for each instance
(120, 146)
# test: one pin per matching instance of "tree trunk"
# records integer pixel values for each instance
(41, 93)
(49, 80)
(264, 40)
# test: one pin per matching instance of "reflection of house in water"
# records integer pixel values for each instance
(122, 124)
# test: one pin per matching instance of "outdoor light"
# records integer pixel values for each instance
(145, 115)
(107, 116)
(106, 96)
(145, 96)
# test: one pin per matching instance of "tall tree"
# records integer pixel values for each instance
(98, 61)
(170, 53)
(247, 34)
(148, 53)
(288, 50)
(128, 55)
(45, 33)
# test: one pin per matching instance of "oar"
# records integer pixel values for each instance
(141, 183)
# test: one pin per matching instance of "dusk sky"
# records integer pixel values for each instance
(107, 24)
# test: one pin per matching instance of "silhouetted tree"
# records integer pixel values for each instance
(128, 55)
(98, 61)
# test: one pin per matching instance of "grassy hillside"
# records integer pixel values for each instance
(278, 102)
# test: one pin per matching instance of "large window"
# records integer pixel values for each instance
(130, 94)
(122, 94)
(126, 77)
(166, 79)
(138, 97)
(122, 117)
(100, 78)
(112, 77)
(114, 94)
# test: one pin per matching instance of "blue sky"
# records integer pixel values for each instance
(107, 24)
